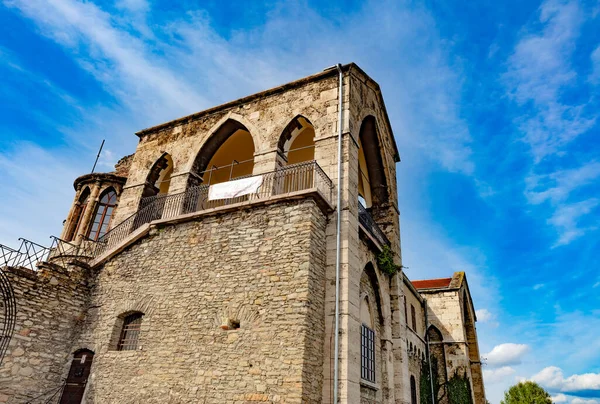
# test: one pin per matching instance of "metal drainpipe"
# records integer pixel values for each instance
(428, 350)
(338, 240)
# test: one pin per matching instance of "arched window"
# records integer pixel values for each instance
(297, 141)
(371, 318)
(130, 332)
(104, 211)
(413, 390)
(78, 214)
(437, 356)
(367, 345)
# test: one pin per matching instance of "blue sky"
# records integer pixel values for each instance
(494, 105)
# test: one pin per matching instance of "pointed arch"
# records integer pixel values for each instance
(228, 153)
(369, 271)
(103, 214)
(373, 187)
(297, 141)
(158, 179)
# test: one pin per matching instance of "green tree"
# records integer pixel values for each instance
(526, 393)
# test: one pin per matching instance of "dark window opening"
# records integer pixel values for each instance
(413, 390)
(130, 333)
(414, 317)
(367, 354)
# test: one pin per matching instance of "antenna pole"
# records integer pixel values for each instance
(98, 156)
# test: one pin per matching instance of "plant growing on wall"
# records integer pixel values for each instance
(439, 391)
(385, 261)
(459, 390)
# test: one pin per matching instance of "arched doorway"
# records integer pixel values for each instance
(78, 376)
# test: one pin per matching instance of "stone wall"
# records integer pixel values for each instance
(50, 308)
(262, 266)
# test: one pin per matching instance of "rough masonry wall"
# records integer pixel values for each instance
(50, 309)
(445, 312)
(265, 117)
(261, 266)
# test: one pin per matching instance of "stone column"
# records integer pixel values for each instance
(88, 214)
(69, 220)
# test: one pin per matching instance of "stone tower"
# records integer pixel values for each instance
(204, 268)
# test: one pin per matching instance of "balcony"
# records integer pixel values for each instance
(368, 225)
(295, 180)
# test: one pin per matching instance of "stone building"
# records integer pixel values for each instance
(205, 267)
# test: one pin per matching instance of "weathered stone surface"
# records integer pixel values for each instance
(238, 304)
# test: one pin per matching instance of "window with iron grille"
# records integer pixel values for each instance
(367, 354)
(130, 333)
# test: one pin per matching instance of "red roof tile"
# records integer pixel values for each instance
(432, 283)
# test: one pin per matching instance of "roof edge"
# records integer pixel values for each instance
(274, 90)
(354, 66)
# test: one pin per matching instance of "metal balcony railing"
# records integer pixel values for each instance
(294, 178)
(28, 255)
(365, 219)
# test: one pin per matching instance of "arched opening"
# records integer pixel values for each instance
(79, 373)
(75, 225)
(159, 177)
(367, 342)
(437, 357)
(297, 141)
(227, 154)
(103, 214)
(413, 390)
(372, 350)
(372, 184)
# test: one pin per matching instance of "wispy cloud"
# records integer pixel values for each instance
(566, 218)
(502, 374)
(540, 72)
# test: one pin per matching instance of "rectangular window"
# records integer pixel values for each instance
(414, 317)
(367, 354)
(130, 332)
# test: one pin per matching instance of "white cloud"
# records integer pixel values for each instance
(566, 219)
(558, 185)
(506, 354)
(552, 378)
(492, 376)
(484, 315)
(559, 398)
(584, 401)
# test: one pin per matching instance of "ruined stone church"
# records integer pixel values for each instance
(248, 253)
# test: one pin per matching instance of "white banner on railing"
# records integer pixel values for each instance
(233, 189)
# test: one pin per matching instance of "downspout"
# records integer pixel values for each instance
(338, 240)
(428, 350)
